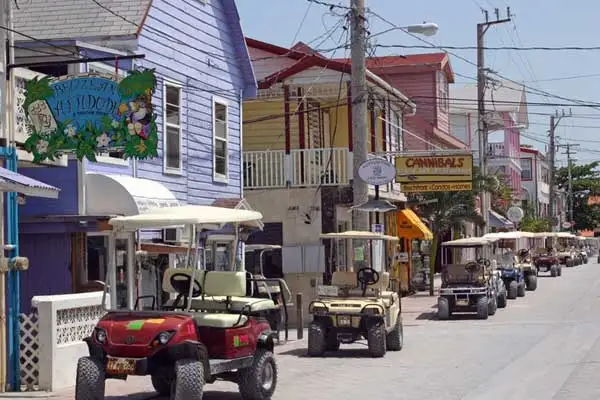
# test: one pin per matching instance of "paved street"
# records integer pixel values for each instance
(545, 346)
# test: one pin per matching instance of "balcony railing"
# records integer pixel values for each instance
(302, 168)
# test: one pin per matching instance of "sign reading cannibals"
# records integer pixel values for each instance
(435, 173)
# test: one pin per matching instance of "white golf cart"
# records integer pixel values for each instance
(207, 330)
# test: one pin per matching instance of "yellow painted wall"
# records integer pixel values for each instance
(270, 132)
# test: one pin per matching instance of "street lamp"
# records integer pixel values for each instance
(425, 29)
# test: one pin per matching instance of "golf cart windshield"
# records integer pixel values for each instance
(365, 277)
(194, 219)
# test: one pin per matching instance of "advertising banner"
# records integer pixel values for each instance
(437, 173)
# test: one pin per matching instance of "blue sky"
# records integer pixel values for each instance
(550, 23)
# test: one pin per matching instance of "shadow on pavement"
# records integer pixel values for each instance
(342, 353)
(208, 395)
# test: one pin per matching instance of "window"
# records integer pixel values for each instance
(545, 175)
(398, 134)
(443, 100)
(220, 137)
(172, 161)
(526, 173)
(114, 156)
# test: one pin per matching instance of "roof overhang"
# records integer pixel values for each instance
(11, 181)
(107, 194)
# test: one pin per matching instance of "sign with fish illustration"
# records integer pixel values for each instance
(89, 114)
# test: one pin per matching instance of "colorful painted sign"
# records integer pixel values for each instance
(241, 341)
(448, 173)
(136, 325)
(88, 114)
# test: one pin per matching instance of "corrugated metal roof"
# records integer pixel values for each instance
(14, 182)
(66, 19)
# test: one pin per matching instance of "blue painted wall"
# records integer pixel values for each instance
(63, 178)
(203, 57)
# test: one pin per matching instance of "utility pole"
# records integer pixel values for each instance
(554, 121)
(359, 96)
(570, 180)
(482, 124)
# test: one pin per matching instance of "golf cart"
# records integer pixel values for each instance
(276, 289)
(207, 330)
(582, 250)
(356, 305)
(523, 261)
(469, 284)
(566, 253)
(545, 258)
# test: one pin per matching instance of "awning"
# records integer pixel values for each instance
(498, 221)
(14, 182)
(107, 194)
(410, 226)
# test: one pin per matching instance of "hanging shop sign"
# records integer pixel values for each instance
(436, 173)
(89, 114)
(376, 171)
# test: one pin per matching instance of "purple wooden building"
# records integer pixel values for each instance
(204, 73)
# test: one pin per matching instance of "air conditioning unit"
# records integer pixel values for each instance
(176, 235)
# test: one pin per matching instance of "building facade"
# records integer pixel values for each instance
(535, 182)
(203, 74)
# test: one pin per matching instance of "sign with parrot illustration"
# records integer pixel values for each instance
(89, 114)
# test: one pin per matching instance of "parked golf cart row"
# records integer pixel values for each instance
(486, 271)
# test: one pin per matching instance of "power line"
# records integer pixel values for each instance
(497, 48)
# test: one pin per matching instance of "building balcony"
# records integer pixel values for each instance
(272, 169)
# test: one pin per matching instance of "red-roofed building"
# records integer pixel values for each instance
(425, 79)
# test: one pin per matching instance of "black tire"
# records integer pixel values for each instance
(376, 336)
(395, 339)
(531, 282)
(443, 309)
(502, 299)
(89, 383)
(189, 380)
(521, 290)
(569, 263)
(316, 340)
(513, 290)
(554, 271)
(332, 343)
(260, 380)
(559, 270)
(492, 305)
(162, 381)
(482, 307)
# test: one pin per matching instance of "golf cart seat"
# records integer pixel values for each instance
(344, 279)
(456, 273)
(222, 291)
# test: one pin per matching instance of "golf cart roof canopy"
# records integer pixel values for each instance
(561, 235)
(542, 234)
(364, 235)
(471, 242)
(509, 235)
(254, 247)
(208, 216)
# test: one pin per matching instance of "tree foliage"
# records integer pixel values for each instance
(585, 183)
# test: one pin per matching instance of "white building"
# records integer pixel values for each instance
(535, 179)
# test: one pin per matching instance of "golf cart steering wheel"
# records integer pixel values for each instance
(181, 283)
(484, 261)
(472, 266)
(367, 276)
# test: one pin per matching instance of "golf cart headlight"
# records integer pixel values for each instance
(162, 339)
(100, 335)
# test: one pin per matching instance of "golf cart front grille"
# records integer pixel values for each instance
(462, 290)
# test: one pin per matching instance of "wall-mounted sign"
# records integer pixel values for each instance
(447, 173)
(377, 171)
(515, 214)
(88, 114)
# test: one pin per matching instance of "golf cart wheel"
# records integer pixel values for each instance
(89, 384)
(559, 270)
(569, 263)
(332, 343)
(554, 271)
(521, 290)
(482, 308)
(259, 381)
(162, 381)
(316, 339)
(513, 290)
(502, 299)
(376, 336)
(531, 282)
(189, 380)
(492, 305)
(395, 339)
(443, 309)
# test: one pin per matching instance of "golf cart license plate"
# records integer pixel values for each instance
(462, 302)
(344, 320)
(120, 366)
